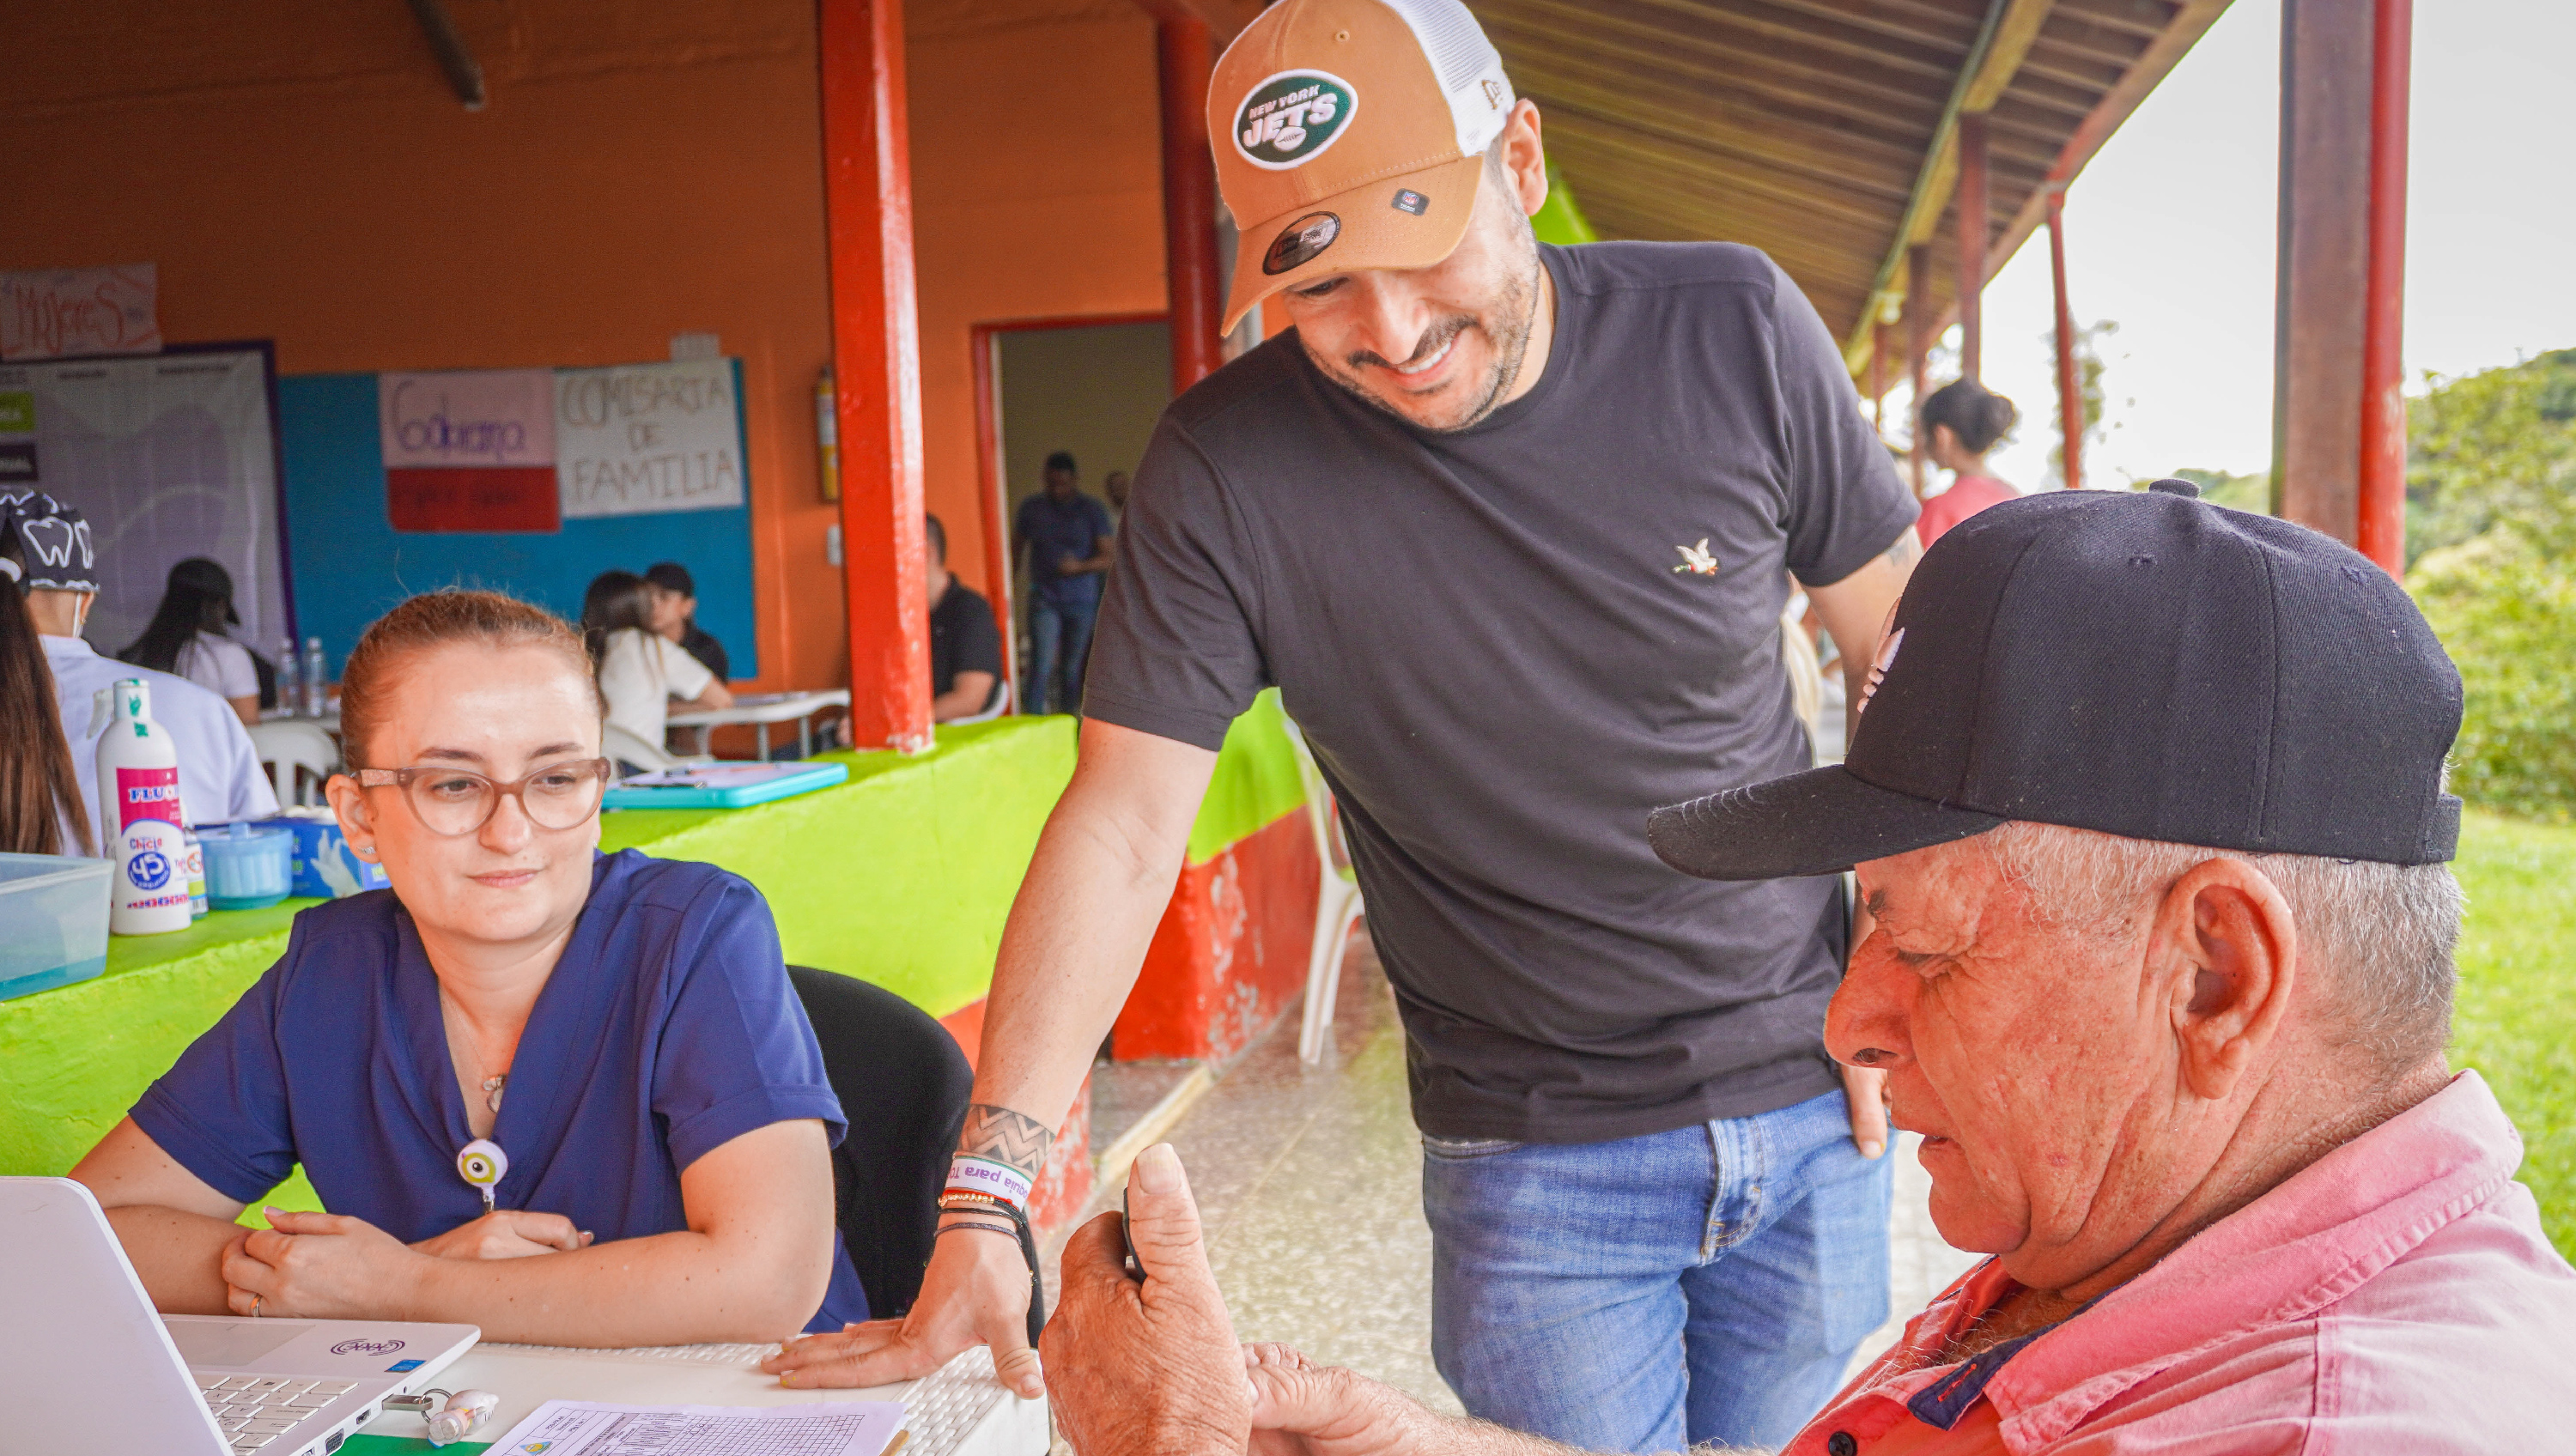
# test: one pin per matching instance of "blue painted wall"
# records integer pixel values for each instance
(348, 564)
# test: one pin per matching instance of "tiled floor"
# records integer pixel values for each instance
(1310, 1179)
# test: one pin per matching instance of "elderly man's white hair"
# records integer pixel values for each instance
(2385, 932)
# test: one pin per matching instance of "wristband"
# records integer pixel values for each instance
(970, 1174)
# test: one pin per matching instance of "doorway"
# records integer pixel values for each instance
(1092, 387)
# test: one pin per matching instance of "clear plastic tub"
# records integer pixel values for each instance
(247, 868)
(53, 921)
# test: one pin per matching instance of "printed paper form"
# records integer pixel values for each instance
(592, 1428)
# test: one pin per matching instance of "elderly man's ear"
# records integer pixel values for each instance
(2228, 948)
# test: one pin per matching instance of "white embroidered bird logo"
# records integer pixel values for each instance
(1696, 559)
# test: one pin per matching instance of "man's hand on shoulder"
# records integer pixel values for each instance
(1151, 1368)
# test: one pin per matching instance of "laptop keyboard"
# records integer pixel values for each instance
(254, 1410)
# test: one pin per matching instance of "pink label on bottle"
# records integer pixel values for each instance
(147, 793)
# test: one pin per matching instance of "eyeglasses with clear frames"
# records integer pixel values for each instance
(454, 801)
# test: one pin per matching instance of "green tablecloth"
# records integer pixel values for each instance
(902, 876)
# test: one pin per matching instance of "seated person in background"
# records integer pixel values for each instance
(186, 636)
(42, 809)
(965, 645)
(642, 674)
(621, 1027)
(2171, 1023)
(220, 779)
(675, 616)
(1966, 421)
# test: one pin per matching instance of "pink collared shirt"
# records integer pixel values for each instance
(2395, 1296)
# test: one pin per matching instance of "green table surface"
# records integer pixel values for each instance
(901, 876)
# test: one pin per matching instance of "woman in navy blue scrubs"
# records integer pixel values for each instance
(620, 1027)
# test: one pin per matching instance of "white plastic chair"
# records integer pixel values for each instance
(289, 749)
(1337, 902)
(625, 747)
(1000, 704)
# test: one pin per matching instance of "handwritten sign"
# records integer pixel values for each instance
(59, 312)
(463, 418)
(642, 438)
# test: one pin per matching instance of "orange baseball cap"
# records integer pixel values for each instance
(1351, 134)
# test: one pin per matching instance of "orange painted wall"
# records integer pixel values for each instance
(1037, 193)
(300, 171)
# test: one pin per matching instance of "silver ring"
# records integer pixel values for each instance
(255, 1303)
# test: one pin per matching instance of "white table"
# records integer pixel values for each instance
(958, 1410)
(763, 709)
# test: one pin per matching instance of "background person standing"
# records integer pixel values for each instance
(1966, 420)
(1512, 528)
(1062, 537)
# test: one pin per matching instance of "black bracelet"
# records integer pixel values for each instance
(1028, 1251)
(1005, 1230)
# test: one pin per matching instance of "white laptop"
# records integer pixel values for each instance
(91, 1368)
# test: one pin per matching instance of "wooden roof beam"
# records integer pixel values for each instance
(2011, 28)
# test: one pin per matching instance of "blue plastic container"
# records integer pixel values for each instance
(53, 921)
(248, 868)
(324, 867)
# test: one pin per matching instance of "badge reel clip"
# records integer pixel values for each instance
(465, 1410)
(483, 1164)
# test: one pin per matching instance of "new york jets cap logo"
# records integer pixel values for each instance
(1290, 118)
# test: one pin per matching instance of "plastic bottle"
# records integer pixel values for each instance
(290, 683)
(138, 792)
(317, 678)
(196, 862)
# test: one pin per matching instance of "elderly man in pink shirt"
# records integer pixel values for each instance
(2147, 807)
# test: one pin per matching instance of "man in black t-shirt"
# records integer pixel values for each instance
(965, 645)
(1512, 528)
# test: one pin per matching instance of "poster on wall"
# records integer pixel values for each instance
(469, 450)
(636, 439)
(56, 313)
(169, 457)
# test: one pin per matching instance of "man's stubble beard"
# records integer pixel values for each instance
(1517, 308)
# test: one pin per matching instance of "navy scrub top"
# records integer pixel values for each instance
(667, 1029)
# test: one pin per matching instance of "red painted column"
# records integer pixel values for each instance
(1878, 378)
(876, 365)
(1918, 343)
(1974, 218)
(2325, 263)
(2070, 388)
(1185, 57)
(2382, 524)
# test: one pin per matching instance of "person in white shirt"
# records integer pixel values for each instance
(642, 672)
(220, 778)
(186, 636)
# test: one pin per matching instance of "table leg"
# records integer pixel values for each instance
(805, 737)
(764, 743)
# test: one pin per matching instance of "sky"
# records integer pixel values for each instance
(2170, 232)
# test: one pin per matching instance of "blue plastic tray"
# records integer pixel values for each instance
(724, 785)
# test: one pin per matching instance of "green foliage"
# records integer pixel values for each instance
(2516, 1016)
(2508, 617)
(2248, 492)
(2495, 449)
(2088, 385)
(2491, 535)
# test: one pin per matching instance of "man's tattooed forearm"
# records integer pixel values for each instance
(1005, 1136)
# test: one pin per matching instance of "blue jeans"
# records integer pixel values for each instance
(1059, 636)
(1704, 1284)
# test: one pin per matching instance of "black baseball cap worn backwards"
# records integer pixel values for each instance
(2147, 665)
